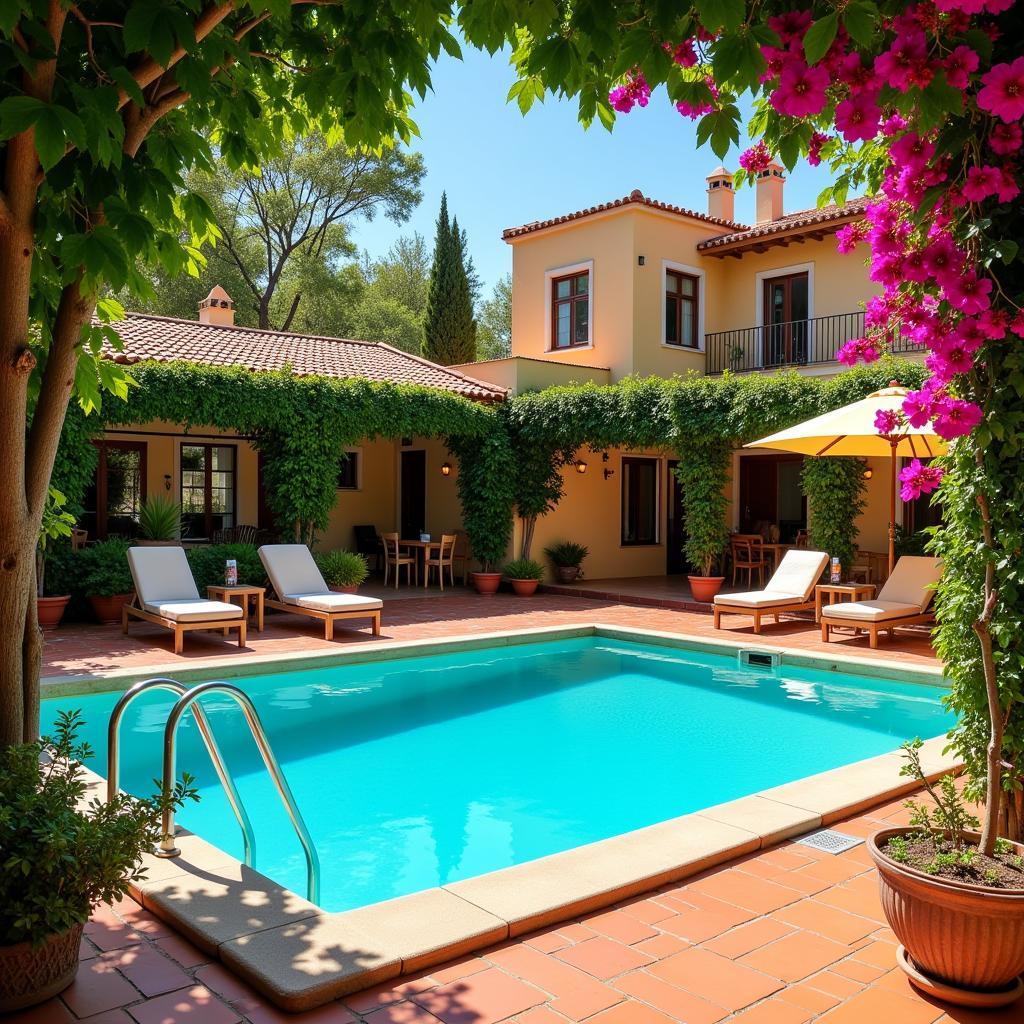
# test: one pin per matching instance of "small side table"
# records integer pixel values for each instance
(224, 593)
(837, 591)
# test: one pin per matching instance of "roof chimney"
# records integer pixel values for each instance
(217, 308)
(769, 193)
(721, 194)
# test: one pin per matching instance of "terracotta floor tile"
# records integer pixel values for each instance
(620, 926)
(229, 987)
(877, 1005)
(631, 1013)
(196, 1005)
(109, 934)
(401, 1013)
(332, 1013)
(647, 911)
(715, 978)
(704, 922)
(662, 946)
(603, 958)
(858, 896)
(459, 969)
(109, 1017)
(834, 870)
(747, 937)
(677, 1003)
(835, 985)
(796, 956)
(807, 997)
(484, 998)
(97, 987)
(53, 1011)
(390, 992)
(878, 954)
(857, 971)
(540, 1015)
(825, 920)
(546, 942)
(148, 970)
(182, 951)
(773, 1011)
(747, 891)
(576, 932)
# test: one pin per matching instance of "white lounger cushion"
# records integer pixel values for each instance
(912, 582)
(161, 574)
(194, 611)
(335, 602)
(292, 570)
(869, 611)
(792, 583)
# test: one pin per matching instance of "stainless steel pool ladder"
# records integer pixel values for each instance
(188, 699)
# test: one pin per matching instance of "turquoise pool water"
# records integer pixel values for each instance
(420, 771)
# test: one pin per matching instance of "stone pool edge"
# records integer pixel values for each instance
(302, 957)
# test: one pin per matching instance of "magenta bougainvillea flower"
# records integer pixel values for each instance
(1002, 93)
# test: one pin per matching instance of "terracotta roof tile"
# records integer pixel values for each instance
(636, 197)
(801, 219)
(165, 339)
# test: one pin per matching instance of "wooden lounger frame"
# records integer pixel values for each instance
(873, 628)
(328, 618)
(758, 613)
(180, 628)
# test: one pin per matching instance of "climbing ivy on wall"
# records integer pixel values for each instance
(703, 472)
(835, 498)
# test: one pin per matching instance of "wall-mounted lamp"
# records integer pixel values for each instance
(581, 467)
(604, 456)
(642, 260)
(167, 481)
(608, 473)
(868, 474)
(446, 469)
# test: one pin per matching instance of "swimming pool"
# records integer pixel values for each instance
(421, 771)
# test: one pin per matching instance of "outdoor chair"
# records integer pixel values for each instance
(368, 544)
(395, 558)
(444, 560)
(166, 594)
(297, 586)
(790, 589)
(461, 555)
(802, 539)
(748, 553)
(903, 601)
(79, 538)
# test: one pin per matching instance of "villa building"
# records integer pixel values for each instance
(633, 286)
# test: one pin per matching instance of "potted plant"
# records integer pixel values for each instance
(106, 578)
(525, 575)
(62, 856)
(159, 522)
(56, 523)
(485, 580)
(567, 558)
(343, 571)
(958, 912)
(702, 477)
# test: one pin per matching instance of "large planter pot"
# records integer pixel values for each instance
(704, 588)
(524, 588)
(486, 582)
(32, 975)
(143, 542)
(567, 573)
(50, 610)
(108, 609)
(344, 590)
(961, 943)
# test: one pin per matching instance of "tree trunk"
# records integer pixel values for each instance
(529, 522)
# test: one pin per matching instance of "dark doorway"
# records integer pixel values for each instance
(770, 495)
(114, 499)
(413, 483)
(675, 560)
(785, 322)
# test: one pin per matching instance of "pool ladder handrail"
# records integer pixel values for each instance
(188, 700)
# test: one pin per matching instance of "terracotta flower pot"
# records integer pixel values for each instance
(965, 942)
(344, 590)
(524, 588)
(32, 975)
(108, 609)
(567, 573)
(486, 582)
(704, 588)
(50, 610)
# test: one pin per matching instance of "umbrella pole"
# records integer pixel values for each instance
(892, 506)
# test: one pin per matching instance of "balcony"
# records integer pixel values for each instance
(793, 344)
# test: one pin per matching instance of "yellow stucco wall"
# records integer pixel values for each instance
(519, 374)
(373, 502)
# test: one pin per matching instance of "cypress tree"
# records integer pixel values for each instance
(449, 330)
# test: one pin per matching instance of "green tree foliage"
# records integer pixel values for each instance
(835, 498)
(449, 330)
(703, 473)
(494, 322)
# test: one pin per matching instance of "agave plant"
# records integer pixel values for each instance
(160, 519)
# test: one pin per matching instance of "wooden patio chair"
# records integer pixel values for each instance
(395, 558)
(445, 560)
(78, 538)
(748, 554)
(803, 538)
(369, 544)
(461, 554)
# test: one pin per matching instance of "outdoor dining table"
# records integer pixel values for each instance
(776, 551)
(422, 549)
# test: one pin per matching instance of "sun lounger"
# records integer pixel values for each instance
(166, 594)
(902, 601)
(297, 586)
(790, 589)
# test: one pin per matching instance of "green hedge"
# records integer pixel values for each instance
(835, 498)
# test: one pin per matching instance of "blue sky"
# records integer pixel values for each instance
(500, 168)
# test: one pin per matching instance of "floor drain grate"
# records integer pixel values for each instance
(829, 840)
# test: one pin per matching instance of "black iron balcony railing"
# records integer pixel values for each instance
(795, 343)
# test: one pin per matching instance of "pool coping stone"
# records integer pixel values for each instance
(301, 957)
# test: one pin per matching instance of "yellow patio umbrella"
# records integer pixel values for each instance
(851, 430)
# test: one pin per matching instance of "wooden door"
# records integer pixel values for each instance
(413, 494)
(759, 492)
(675, 560)
(785, 332)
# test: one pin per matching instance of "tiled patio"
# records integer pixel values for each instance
(781, 937)
(78, 649)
